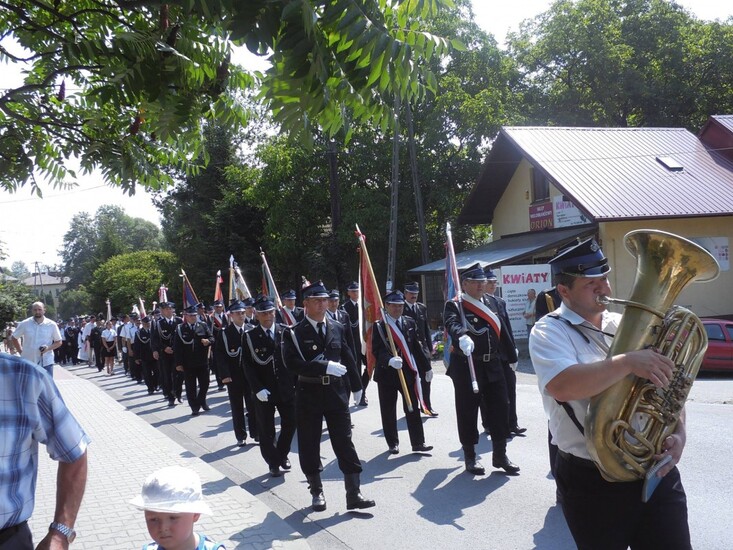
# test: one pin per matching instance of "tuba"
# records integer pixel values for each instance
(627, 423)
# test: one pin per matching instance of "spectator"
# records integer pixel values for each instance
(172, 500)
(40, 337)
(34, 412)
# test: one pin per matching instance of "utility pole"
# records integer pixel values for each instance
(38, 275)
(392, 251)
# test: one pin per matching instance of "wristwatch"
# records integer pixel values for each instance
(65, 530)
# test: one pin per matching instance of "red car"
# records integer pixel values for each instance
(719, 355)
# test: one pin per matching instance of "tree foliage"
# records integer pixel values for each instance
(623, 63)
(126, 277)
(123, 85)
(15, 302)
(90, 241)
(74, 302)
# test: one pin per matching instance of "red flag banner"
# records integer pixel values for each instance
(218, 294)
(371, 301)
(189, 296)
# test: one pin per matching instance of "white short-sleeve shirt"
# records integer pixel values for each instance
(555, 345)
(36, 335)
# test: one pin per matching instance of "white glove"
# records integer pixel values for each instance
(396, 363)
(429, 375)
(262, 395)
(335, 369)
(513, 366)
(124, 349)
(466, 344)
(516, 351)
(357, 396)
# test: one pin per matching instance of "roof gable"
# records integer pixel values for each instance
(611, 173)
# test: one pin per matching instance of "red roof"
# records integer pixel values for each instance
(611, 173)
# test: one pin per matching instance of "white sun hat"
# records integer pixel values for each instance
(174, 490)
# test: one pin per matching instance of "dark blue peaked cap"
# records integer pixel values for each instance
(394, 297)
(474, 273)
(585, 259)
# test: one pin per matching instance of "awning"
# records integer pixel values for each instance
(509, 250)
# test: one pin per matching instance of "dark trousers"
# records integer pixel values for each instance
(313, 403)
(72, 353)
(149, 370)
(243, 409)
(603, 515)
(388, 396)
(171, 380)
(275, 450)
(99, 360)
(511, 390)
(425, 385)
(492, 397)
(197, 385)
(17, 538)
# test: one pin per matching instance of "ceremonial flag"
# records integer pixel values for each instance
(451, 286)
(162, 294)
(142, 307)
(109, 310)
(371, 302)
(269, 288)
(189, 296)
(217, 289)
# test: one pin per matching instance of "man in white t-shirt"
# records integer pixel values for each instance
(40, 337)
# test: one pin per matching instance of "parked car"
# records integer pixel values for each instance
(719, 355)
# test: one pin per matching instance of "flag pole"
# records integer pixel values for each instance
(459, 299)
(378, 298)
(231, 277)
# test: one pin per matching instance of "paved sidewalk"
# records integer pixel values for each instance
(124, 450)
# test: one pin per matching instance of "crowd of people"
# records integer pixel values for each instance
(306, 364)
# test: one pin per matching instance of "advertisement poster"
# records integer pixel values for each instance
(718, 247)
(515, 281)
(566, 214)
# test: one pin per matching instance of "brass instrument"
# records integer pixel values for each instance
(627, 423)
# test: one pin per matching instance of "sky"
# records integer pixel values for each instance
(32, 228)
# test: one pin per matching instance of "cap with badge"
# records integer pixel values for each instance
(217, 303)
(474, 273)
(315, 290)
(288, 295)
(334, 295)
(264, 303)
(237, 305)
(413, 287)
(490, 275)
(249, 302)
(164, 305)
(191, 310)
(585, 259)
(146, 319)
(394, 297)
(353, 286)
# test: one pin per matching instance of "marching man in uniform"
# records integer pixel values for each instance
(413, 364)
(191, 344)
(171, 381)
(316, 350)
(272, 384)
(476, 332)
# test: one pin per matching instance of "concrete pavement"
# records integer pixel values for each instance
(421, 500)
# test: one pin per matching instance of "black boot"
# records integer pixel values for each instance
(500, 460)
(316, 488)
(473, 466)
(354, 499)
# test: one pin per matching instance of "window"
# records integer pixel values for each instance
(715, 332)
(540, 186)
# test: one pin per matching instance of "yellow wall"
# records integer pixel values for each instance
(709, 299)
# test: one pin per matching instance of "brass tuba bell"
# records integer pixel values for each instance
(627, 423)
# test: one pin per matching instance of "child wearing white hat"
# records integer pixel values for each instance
(172, 500)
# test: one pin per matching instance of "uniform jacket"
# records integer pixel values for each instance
(228, 354)
(188, 351)
(342, 317)
(264, 366)
(383, 373)
(142, 346)
(508, 347)
(420, 316)
(298, 313)
(486, 342)
(306, 355)
(162, 333)
(352, 310)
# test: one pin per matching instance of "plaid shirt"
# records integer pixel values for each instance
(32, 411)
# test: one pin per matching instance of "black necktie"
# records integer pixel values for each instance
(269, 333)
(321, 332)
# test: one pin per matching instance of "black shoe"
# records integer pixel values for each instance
(364, 402)
(171, 403)
(285, 464)
(516, 430)
(503, 462)
(275, 471)
(180, 399)
(394, 449)
(195, 413)
(206, 407)
(422, 448)
(358, 502)
(256, 438)
(474, 467)
(220, 388)
(318, 503)
(241, 442)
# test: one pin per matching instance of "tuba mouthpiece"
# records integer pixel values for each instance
(603, 300)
